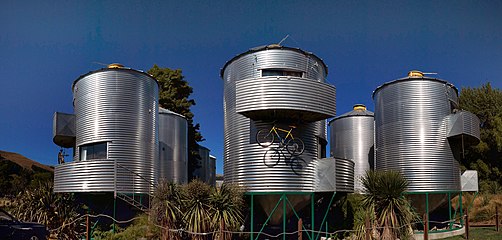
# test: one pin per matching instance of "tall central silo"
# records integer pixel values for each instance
(267, 86)
(351, 137)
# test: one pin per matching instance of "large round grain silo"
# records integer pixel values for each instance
(173, 146)
(411, 132)
(283, 87)
(419, 132)
(267, 85)
(351, 137)
(116, 111)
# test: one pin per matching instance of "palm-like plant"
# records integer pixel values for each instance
(166, 208)
(196, 207)
(58, 211)
(226, 209)
(384, 195)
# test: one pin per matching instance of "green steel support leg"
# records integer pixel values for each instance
(461, 211)
(325, 216)
(312, 207)
(252, 216)
(326, 230)
(270, 216)
(472, 202)
(284, 216)
(449, 210)
(427, 209)
(114, 212)
(298, 217)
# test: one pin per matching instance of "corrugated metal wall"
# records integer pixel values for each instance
(117, 107)
(173, 146)
(243, 157)
(411, 127)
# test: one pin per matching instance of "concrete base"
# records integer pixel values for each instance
(439, 235)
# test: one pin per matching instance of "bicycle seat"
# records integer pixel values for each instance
(292, 126)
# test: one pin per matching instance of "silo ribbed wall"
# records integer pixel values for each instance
(202, 172)
(243, 157)
(351, 137)
(411, 126)
(173, 146)
(119, 107)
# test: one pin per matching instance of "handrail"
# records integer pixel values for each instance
(137, 174)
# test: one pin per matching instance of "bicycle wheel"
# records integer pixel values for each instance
(264, 137)
(272, 157)
(295, 147)
(297, 164)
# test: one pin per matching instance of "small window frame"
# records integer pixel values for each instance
(277, 72)
(92, 151)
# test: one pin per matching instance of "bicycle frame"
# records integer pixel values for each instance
(288, 133)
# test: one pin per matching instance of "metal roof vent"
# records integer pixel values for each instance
(115, 65)
(359, 107)
(415, 73)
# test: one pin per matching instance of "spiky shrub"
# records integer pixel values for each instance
(196, 208)
(227, 203)
(384, 198)
(58, 211)
(166, 208)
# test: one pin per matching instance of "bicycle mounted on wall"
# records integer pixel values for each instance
(293, 145)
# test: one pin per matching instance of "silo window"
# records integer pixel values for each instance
(280, 72)
(94, 151)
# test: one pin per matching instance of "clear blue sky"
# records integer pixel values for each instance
(46, 45)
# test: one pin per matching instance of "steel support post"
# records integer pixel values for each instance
(252, 216)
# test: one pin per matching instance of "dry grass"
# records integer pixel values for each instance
(24, 161)
(482, 209)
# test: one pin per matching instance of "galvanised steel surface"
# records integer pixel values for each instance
(243, 157)
(85, 176)
(284, 96)
(173, 146)
(116, 108)
(212, 171)
(411, 119)
(344, 175)
(202, 172)
(351, 137)
(334, 175)
(98, 175)
(464, 125)
(63, 129)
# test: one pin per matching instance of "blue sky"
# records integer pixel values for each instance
(46, 45)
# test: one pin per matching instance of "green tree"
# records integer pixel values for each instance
(386, 205)
(174, 95)
(486, 157)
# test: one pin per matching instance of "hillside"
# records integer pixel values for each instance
(18, 172)
(23, 161)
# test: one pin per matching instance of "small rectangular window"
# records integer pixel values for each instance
(280, 72)
(94, 151)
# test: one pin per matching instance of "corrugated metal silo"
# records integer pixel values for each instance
(212, 170)
(281, 86)
(411, 126)
(202, 172)
(351, 137)
(116, 133)
(173, 146)
(266, 84)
